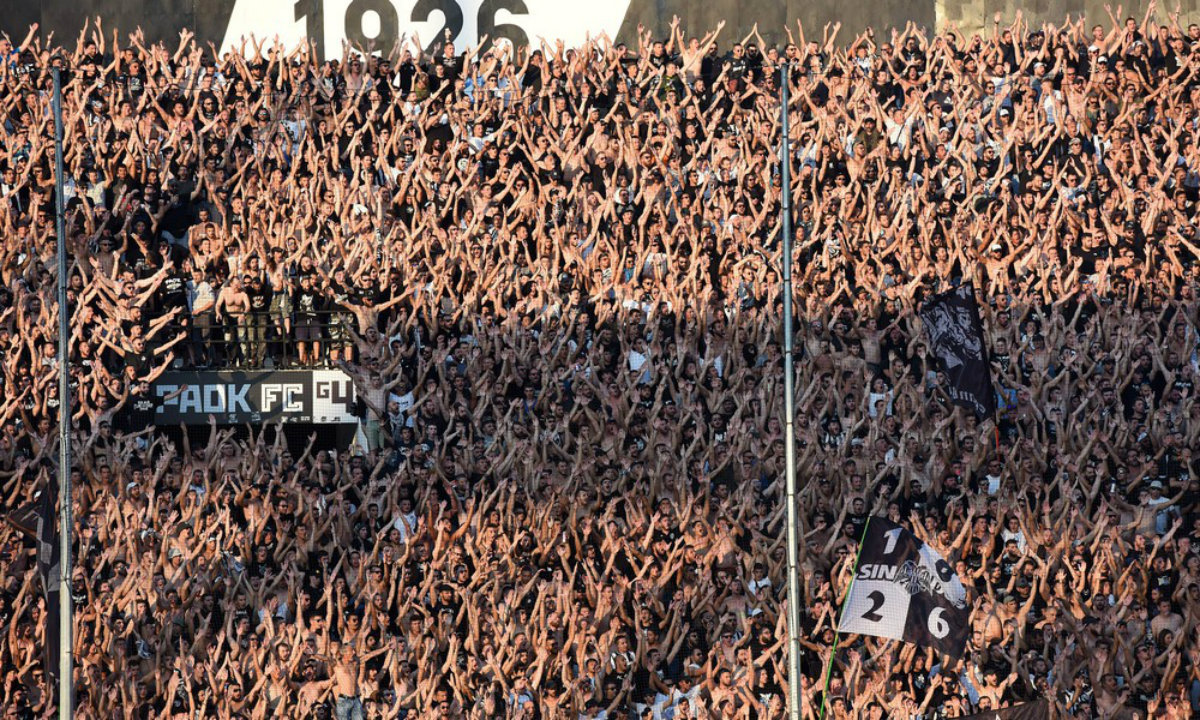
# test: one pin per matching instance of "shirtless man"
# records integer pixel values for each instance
(311, 689)
(236, 305)
(374, 392)
(347, 678)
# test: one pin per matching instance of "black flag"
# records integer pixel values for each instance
(50, 566)
(1036, 710)
(25, 519)
(904, 590)
(955, 333)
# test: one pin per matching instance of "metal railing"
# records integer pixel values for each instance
(267, 340)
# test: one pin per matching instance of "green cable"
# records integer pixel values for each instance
(837, 635)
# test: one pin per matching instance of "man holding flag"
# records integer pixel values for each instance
(904, 590)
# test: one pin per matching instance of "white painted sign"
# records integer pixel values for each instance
(387, 22)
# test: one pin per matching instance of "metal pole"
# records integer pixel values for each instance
(795, 697)
(65, 695)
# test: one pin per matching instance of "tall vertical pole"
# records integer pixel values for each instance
(789, 410)
(65, 695)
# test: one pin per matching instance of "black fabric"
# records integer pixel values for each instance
(49, 566)
(1037, 710)
(955, 334)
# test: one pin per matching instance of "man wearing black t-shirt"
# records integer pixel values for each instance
(260, 307)
(142, 405)
(139, 360)
(172, 292)
(309, 302)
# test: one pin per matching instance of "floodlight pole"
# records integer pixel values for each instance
(65, 680)
(795, 696)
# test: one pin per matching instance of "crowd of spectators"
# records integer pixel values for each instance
(553, 274)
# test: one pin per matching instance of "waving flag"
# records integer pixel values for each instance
(25, 519)
(36, 520)
(49, 556)
(904, 590)
(955, 333)
(1036, 710)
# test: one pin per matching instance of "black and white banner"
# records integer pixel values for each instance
(386, 24)
(292, 396)
(955, 333)
(382, 24)
(1036, 710)
(904, 590)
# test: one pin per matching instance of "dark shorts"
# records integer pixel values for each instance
(308, 331)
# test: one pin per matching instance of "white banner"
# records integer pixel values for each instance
(387, 22)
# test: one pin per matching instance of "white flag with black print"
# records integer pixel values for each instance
(905, 590)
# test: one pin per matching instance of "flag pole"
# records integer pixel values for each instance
(795, 696)
(65, 695)
(837, 634)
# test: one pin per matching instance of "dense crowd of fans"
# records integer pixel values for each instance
(553, 274)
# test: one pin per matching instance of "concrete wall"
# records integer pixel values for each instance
(975, 14)
(700, 16)
(210, 19)
(159, 19)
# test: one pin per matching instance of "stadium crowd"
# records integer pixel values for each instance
(553, 274)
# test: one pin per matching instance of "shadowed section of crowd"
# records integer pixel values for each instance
(554, 278)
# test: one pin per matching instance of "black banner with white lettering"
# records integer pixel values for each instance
(1036, 710)
(290, 396)
(955, 333)
(904, 590)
